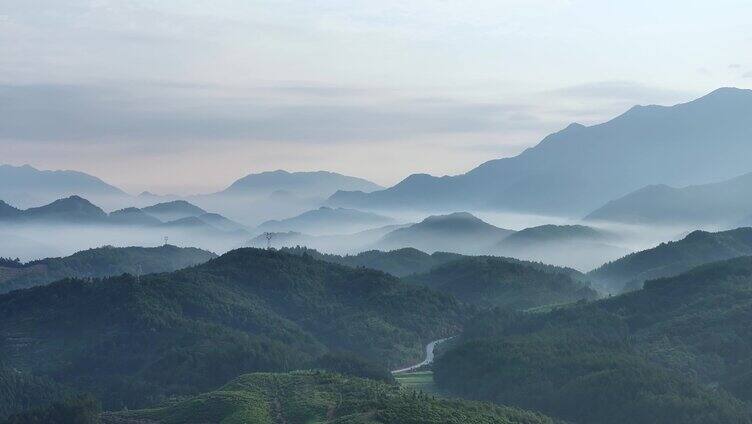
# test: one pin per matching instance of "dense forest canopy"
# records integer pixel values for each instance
(100, 262)
(676, 351)
(134, 342)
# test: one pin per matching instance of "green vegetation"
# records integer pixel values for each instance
(133, 343)
(651, 356)
(303, 397)
(552, 233)
(76, 410)
(100, 262)
(20, 392)
(673, 258)
(400, 262)
(353, 365)
(488, 281)
(419, 380)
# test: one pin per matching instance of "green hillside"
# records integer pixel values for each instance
(400, 262)
(673, 258)
(133, 343)
(498, 282)
(676, 351)
(101, 262)
(312, 396)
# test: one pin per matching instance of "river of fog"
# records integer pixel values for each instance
(27, 241)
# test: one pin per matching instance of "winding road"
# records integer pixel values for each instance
(429, 356)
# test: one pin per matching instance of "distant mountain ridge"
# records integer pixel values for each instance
(458, 232)
(722, 203)
(25, 186)
(307, 184)
(328, 220)
(576, 170)
(577, 246)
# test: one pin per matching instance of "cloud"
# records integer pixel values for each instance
(622, 91)
(747, 74)
(170, 116)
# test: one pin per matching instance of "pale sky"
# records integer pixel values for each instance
(186, 96)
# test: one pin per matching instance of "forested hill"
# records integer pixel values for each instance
(132, 343)
(498, 282)
(100, 262)
(400, 262)
(672, 258)
(676, 351)
(408, 261)
(312, 396)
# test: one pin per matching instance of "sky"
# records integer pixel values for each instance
(186, 96)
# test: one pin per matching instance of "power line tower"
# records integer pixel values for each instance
(166, 239)
(139, 270)
(269, 237)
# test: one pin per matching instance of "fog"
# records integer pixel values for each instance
(35, 241)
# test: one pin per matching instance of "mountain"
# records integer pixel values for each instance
(192, 223)
(676, 351)
(307, 184)
(325, 220)
(133, 342)
(576, 246)
(173, 210)
(337, 243)
(498, 282)
(580, 168)
(672, 258)
(73, 209)
(8, 211)
(22, 393)
(220, 222)
(133, 216)
(26, 186)
(400, 262)
(459, 232)
(320, 397)
(101, 262)
(722, 203)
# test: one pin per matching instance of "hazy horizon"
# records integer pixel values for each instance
(196, 96)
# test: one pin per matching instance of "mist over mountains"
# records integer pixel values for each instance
(576, 170)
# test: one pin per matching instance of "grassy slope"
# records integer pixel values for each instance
(313, 396)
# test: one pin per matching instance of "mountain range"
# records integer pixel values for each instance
(576, 170)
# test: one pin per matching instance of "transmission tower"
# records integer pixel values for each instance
(269, 237)
(165, 240)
